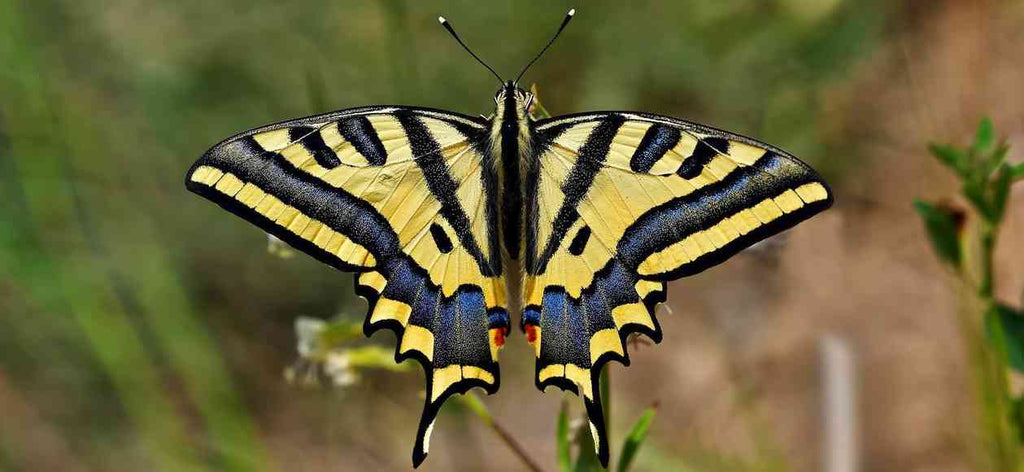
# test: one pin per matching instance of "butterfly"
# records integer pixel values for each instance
(455, 224)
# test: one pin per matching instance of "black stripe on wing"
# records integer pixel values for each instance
(657, 141)
(589, 162)
(358, 131)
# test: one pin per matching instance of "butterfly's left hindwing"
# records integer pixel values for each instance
(624, 202)
(404, 198)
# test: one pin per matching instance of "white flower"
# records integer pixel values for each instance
(338, 366)
(308, 331)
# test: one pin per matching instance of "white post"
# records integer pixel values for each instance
(840, 445)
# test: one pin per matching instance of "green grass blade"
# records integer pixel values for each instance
(1012, 323)
(985, 136)
(562, 438)
(635, 438)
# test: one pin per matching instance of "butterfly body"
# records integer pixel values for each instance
(511, 141)
(457, 226)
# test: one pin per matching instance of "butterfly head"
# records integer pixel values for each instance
(510, 95)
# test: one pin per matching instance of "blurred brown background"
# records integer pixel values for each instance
(142, 328)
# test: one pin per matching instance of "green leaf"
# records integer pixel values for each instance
(1012, 323)
(985, 136)
(637, 435)
(974, 190)
(341, 331)
(471, 401)
(537, 109)
(1000, 192)
(997, 158)
(1017, 416)
(951, 157)
(376, 357)
(1017, 171)
(562, 438)
(941, 230)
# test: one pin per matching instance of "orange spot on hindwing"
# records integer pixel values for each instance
(499, 336)
(531, 333)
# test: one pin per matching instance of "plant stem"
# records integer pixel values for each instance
(516, 448)
(988, 244)
(474, 404)
(986, 344)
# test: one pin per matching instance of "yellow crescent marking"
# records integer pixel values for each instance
(645, 287)
(549, 371)
(631, 313)
(373, 280)
(416, 338)
(580, 377)
(388, 309)
(443, 378)
(605, 340)
(474, 372)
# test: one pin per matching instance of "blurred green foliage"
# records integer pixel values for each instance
(139, 318)
(966, 240)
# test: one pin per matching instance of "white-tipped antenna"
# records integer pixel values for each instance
(568, 16)
(451, 30)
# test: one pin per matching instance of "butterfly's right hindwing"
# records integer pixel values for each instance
(400, 196)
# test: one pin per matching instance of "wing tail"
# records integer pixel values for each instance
(575, 337)
(455, 339)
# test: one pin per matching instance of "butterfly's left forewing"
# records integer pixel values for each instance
(625, 202)
(405, 198)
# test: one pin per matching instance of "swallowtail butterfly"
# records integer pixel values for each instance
(455, 226)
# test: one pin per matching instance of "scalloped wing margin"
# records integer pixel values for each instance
(269, 190)
(722, 193)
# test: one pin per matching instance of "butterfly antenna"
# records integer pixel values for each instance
(451, 30)
(568, 16)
